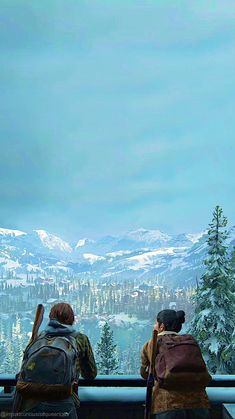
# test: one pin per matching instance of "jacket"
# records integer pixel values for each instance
(162, 399)
(86, 366)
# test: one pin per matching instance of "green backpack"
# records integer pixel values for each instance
(49, 366)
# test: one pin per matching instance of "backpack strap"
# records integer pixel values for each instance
(61, 334)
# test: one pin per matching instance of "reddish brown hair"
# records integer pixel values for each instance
(62, 312)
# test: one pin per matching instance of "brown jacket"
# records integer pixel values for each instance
(162, 399)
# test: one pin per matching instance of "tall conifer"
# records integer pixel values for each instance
(232, 266)
(106, 352)
(214, 318)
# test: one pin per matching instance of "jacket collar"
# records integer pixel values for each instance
(167, 332)
(56, 327)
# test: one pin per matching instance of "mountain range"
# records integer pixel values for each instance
(173, 260)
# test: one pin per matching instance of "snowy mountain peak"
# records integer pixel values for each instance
(83, 242)
(149, 236)
(92, 258)
(11, 233)
(195, 237)
(53, 242)
(144, 254)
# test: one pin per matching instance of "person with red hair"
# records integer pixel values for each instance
(61, 324)
(63, 313)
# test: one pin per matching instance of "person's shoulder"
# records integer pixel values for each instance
(147, 345)
(81, 338)
(187, 336)
(79, 335)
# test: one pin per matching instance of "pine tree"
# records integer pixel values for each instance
(107, 352)
(232, 267)
(214, 317)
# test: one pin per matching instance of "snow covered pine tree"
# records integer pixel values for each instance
(106, 352)
(214, 318)
(232, 266)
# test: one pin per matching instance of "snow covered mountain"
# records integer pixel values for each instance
(53, 242)
(10, 233)
(142, 254)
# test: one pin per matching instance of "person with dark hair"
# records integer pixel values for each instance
(177, 394)
(39, 402)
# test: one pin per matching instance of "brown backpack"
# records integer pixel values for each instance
(179, 364)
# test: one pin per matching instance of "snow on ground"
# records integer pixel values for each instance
(121, 320)
(109, 274)
(10, 264)
(119, 253)
(52, 300)
(92, 258)
(16, 282)
(33, 268)
(149, 258)
(59, 266)
(61, 263)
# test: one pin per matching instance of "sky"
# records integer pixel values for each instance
(116, 115)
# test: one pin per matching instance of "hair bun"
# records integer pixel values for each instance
(180, 316)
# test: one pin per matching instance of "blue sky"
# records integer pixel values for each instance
(116, 115)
